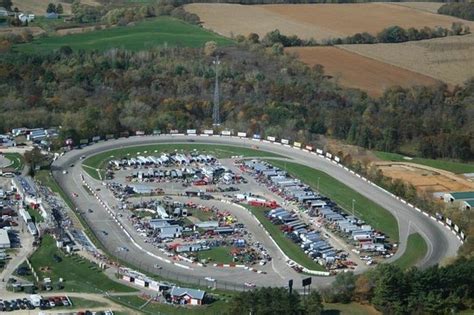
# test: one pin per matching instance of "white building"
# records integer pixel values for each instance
(4, 239)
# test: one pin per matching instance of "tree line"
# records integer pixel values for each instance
(392, 34)
(436, 290)
(463, 10)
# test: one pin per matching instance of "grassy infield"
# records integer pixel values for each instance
(17, 160)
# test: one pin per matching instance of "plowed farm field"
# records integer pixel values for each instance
(449, 59)
(356, 71)
(319, 21)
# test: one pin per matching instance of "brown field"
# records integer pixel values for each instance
(356, 71)
(425, 178)
(38, 7)
(319, 21)
(431, 7)
(449, 59)
(35, 30)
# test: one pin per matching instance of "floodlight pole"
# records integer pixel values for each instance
(215, 113)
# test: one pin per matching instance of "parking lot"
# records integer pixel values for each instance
(166, 195)
(34, 302)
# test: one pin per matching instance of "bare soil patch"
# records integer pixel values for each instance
(425, 178)
(356, 71)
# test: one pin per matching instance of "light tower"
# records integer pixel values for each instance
(215, 112)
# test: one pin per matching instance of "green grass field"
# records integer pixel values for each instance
(78, 302)
(35, 215)
(415, 251)
(219, 254)
(17, 160)
(79, 275)
(202, 215)
(450, 166)
(162, 31)
(367, 210)
(135, 302)
(290, 248)
(95, 164)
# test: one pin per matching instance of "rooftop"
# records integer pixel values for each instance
(4, 239)
(195, 294)
(462, 195)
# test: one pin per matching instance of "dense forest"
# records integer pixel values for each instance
(463, 10)
(436, 290)
(263, 91)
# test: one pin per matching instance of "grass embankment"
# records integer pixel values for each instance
(18, 162)
(221, 307)
(161, 31)
(85, 304)
(367, 210)
(79, 274)
(135, 302)
(96, 163)
(415, 251)
(450, 166)
(291, 249)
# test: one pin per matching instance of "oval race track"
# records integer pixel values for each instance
(441, 242)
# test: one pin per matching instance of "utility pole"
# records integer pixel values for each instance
(216, 120)
(353, 208)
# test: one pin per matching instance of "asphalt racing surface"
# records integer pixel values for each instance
(441, 242)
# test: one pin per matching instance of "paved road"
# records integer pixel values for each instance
(19, 256)
(441, 242)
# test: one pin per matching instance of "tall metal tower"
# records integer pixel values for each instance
(215, 112)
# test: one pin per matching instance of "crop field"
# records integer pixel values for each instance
(319, 21)
(162, 31)
(38, 7)
(356, 71)
(431, 7)
(449, 59)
